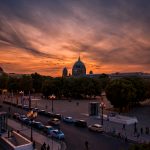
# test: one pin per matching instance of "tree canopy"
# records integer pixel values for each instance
(120, 92)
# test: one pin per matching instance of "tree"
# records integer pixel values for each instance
(97, 87)
(120, 92)
(88, 87)
(140, 89)
(3, 81)
(37, 82)
(76, 90)
(140, 147)
(147, 88)
(67, 87)
(13, 84)
(26, 83)
(45, 88)
(104, 80)
(57, 87)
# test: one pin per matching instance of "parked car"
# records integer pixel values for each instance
(80, 123)
(19, 106)
(35, 109)
(47, 129)
(42, 112)
(58, 116)
(37, 125)
(95, 127)
(25, 107)
(57, 134)
(49, 114)
(27, 121)
(21, 117)
(14, 104)
(54, 121)
(16, 115)
(68, 119)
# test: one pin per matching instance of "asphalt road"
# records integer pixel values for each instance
(75, 137)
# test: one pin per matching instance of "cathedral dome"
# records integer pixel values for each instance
(79, 68)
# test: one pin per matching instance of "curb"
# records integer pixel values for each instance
(63, 146)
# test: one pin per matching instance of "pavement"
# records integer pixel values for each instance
(127, 133)
(39, 138)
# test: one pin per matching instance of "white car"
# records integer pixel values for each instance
(95, 127)
(68, 119)
(57, 134)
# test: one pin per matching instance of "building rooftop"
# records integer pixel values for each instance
(16, 141)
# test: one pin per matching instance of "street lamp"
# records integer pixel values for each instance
(102, 105)
(11, 103)
(31, 115)
(52, 97)
(29, 101)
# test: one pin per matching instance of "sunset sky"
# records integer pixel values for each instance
(46, 35)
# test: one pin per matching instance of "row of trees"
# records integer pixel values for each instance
(72, 87)
(121, 93)
(24, 83)
(60, 87)
(126, 92)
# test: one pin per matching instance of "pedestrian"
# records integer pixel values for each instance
(123, 128)
(44, 146)
(33, 144)
(126, 139)
(135, 128)
(138, 135)
(48, 148)
(141, 130)
(87, 145)
(147, 130)
(9, 109)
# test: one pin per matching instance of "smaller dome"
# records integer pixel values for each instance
(65, 72)
(91, 72)
(1, 69)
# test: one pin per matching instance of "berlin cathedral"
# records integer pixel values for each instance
(78, 69)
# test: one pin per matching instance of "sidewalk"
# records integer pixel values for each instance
(37, 137)
(115, 129)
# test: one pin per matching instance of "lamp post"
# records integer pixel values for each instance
(31, 115)
(21, 94)
(29, 101)
(102, 105)
(52, 97)
(11, 103)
